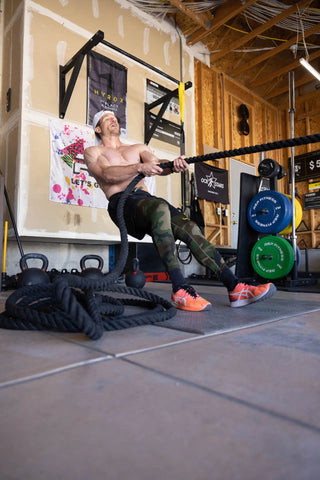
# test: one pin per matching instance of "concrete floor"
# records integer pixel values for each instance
(231, 394)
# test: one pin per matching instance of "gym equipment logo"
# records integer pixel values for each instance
(212, 183)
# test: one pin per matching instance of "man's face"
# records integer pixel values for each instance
(109, 124)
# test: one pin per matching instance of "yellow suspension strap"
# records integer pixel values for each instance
(181, 91)
(5, 237)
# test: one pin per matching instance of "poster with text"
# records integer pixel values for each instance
(70, 181)
(107, 89)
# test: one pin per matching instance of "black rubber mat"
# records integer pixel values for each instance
(222, 318)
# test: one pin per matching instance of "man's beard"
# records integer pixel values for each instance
(115, 132)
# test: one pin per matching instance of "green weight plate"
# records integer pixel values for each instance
(269, 212)
(272, 257)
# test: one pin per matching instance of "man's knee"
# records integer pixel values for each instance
(182, 224)
(159, 211)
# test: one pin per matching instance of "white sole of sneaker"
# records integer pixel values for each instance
(182, 307)
(248, 301)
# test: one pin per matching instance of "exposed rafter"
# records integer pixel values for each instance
(275, 51)
(199, 19)
(255, 41)
(257, 31)
(222, 14)
(292, 66)
(298, 83)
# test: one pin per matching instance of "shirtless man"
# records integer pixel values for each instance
(114, 165)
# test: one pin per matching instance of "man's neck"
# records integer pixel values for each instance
(112, 141)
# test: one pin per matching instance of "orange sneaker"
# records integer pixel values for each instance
(186, 298)
(244, 294)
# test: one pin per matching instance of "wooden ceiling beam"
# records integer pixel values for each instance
(286, 69)
(280, 91)
(257, 31)
(304, 98)
(222, 14)
(199, 19)
(275, 51)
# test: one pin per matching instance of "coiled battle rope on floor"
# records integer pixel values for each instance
(71, 303)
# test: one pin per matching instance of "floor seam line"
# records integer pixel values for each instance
(54, 371)
(227, 397)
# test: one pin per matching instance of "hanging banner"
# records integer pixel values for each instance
(212, 183)
(107, 89)
(70, 181)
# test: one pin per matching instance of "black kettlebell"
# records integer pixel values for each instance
(53, 274)
(33, 276)
(135, 278)
(93, 273)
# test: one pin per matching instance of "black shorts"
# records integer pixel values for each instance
(130, 211)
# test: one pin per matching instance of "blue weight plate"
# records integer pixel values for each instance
(269, 212)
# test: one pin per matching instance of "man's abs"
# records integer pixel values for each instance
(110, 190)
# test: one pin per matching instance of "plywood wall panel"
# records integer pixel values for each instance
(265, 125)
(41, 36)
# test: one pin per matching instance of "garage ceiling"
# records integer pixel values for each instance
(255, 42)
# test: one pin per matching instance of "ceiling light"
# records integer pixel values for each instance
(310, 68)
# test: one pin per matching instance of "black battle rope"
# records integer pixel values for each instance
(264, 147)
(71, 304)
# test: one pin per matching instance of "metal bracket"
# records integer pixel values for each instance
(75, 63)
(148, 132)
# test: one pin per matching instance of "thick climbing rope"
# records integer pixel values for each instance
(71, 303)
(263, 147)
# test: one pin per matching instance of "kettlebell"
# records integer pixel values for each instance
(93, 273)
(33, 276)
(135, 278)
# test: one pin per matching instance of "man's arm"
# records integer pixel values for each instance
(101, 169)
(179, 164)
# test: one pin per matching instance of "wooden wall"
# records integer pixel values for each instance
(217, 100)
(307, 121)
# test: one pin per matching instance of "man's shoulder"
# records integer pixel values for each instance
(91, 149)
(91, 153)
(136, 146)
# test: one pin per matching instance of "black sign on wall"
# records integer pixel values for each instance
(166, 131)
(107, 89)
(306, 166)
(311, 200)
(155, 91)
(212, 183)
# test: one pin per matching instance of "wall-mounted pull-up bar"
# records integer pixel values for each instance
(76, 63)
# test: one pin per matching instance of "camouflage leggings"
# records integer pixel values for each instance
(165, 227)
